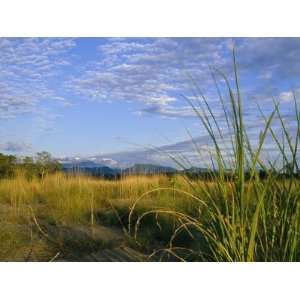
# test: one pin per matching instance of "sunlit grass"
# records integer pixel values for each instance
(172, 218)
(29, 206)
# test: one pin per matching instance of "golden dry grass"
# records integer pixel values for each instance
(66, 214)
(28, 206)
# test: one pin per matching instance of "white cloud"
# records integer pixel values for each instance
(286, 96)
(161, 101)
(144, 70)
(27, 65)
(15, 147)
(153, 72)
(169, 111)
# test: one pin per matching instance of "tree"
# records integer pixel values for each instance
(46, 164)
(28, 161)
(7, 165)
(29, 166)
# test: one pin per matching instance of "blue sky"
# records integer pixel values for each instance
(88, 96)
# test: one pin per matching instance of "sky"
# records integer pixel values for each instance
(81, 97)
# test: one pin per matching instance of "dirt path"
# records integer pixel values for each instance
(25, 240)
(98, 244)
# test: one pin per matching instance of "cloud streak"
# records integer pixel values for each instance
(15, 147)
(146, 70)
(154, 72)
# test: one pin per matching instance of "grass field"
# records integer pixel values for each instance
(35, 213)
(150, 218)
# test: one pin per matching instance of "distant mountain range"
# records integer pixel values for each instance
(140, 169)
(81, 164)
(160, 156)
(97, 169)
(144, 161)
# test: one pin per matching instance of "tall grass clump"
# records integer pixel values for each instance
(245, 216)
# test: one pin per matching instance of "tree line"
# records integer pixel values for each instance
(38, 166)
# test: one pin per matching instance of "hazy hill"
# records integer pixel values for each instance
(140, 169)
(97, 169)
